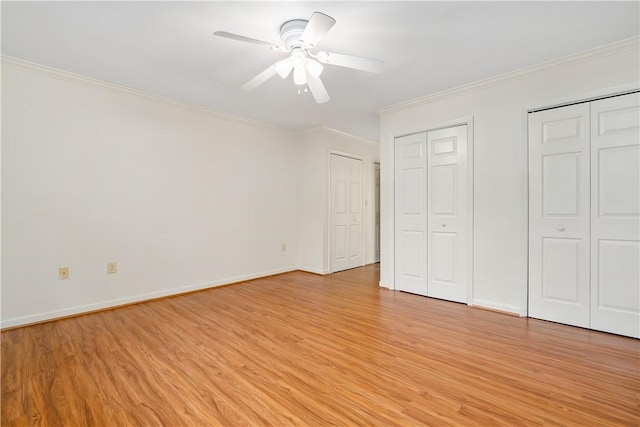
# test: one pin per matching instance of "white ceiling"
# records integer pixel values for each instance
(167, 48)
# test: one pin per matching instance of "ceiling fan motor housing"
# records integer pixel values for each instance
(291, 31)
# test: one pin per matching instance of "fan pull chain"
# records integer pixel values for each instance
(306, 90)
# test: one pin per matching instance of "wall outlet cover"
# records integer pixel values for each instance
(112, 267)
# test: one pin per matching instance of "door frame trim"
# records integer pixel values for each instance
(330, 153)
(468, 121)
(372, 208)
(524, 163)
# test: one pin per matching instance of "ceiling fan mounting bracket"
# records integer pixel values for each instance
(291, 31)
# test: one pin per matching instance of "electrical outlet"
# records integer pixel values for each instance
(112, 267)
(63, 273)
(284, 247)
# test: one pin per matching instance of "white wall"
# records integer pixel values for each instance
(314, 148)
(180, 198)
(500, 183)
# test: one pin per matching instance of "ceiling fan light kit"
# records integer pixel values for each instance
(283, 68)
(298, 38)
(299, 76)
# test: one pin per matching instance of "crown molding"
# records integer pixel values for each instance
(89, 81)
(337, 132)
(630, 44)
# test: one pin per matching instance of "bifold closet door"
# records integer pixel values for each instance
(559, 211)
(615, 215)
(584, 214)
(431, 213)
(411, 213)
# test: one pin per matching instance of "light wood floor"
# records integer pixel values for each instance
(301, 349)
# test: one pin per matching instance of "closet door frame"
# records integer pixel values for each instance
(524, 164)
(428, 127)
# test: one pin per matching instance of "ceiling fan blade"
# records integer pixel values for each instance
(319, 24)
(243, 38)
(350, 61)
(259, 79)
(317, 89)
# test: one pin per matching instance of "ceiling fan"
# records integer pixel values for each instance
(299, 37)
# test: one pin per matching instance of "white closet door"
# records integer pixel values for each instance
(559, 215)
(346, 213)
(447, 217)
(411, 214)
(615, 230)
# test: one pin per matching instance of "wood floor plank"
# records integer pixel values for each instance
(301, 349)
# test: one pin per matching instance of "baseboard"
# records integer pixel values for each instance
(384, 285)
(496, 306)
(314, 270)
(110, 304)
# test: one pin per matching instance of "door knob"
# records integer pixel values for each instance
(561, 228)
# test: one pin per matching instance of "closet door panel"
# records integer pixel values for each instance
(411, 214)
(561, 278)
(447, 219)
(559, 215)
(615, 210)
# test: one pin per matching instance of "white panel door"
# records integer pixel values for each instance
(411, 213)
(615, 210)
(346, 213)
(559, 215)
(447, 214)
(376, 196)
